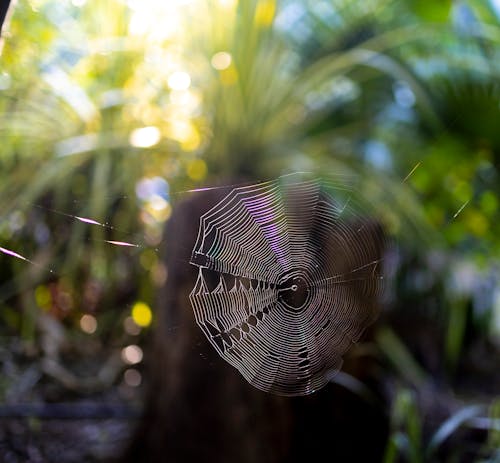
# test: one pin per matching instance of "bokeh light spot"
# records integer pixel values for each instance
(476, 222)
(147, 259)
(42, 297)
(221, 60)
(158, 209)
(142, 314)
(131, 327)
(192, 143)
(88, 324)
(132, 354)
(146, 188)
(197, 169)
(462, 191)
(132, 377)
(159, 274)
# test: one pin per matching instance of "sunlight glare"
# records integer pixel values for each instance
(185, 133)
(187, 102)
(157, 21)
(228, 4)
(179, 80)
(145, 137)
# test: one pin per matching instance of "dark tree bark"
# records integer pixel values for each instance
(200, 409)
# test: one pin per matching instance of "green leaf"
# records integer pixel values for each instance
(457, 320)
(431, 10)
(398, 354)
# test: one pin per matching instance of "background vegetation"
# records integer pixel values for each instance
(111, 111)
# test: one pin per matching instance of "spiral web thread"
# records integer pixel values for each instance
(289, 274)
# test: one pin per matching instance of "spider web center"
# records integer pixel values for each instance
(294, 290)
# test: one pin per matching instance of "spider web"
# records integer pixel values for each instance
(297, 275)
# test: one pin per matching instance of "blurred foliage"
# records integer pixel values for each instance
(108, 110)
